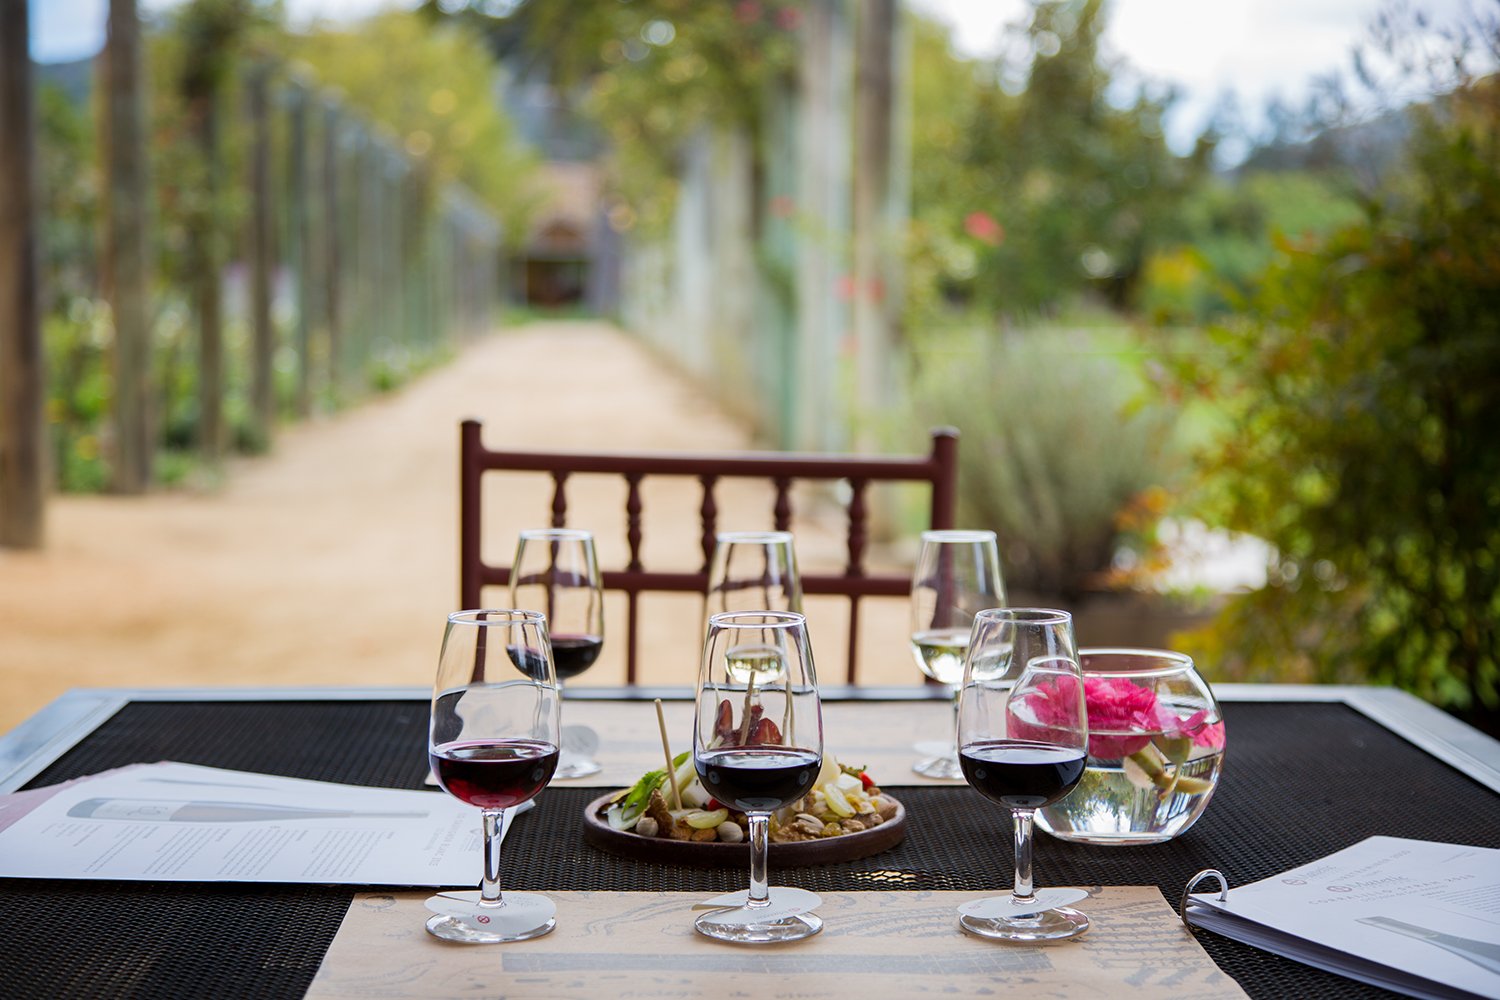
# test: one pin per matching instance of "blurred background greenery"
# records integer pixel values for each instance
(1287, 334)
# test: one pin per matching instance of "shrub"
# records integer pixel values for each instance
(1052, 449)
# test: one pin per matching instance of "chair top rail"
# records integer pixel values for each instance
(798, 465)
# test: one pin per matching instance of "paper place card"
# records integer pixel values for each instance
(734, 909)
(1004, 907)
(521, 911)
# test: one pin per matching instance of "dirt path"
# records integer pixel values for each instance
(333, 561)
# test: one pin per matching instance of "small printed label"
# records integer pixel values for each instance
(1009, 906)
(519, 910)
(732, 907)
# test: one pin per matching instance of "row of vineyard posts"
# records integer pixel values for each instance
(347, 253)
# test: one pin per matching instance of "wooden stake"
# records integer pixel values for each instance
(666, 749)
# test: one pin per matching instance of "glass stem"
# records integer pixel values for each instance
(1021, 821)
(956, 691)
(489, 887)
(760, 842)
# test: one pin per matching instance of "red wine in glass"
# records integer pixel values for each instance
(1021, 774)
(492, 742)
(760, 778)
(494, 774)
(574, 654)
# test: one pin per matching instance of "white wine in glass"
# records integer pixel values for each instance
(957, 576)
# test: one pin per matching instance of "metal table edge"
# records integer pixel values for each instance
(44, 737)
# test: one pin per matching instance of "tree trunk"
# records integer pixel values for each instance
(262, 209)
(124, 256)
(203, 240)
(22, 385)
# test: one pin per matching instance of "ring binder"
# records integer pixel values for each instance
(1192, 884)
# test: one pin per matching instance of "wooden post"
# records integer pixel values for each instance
(879, 211)
(300, 239)
(262, 209)
(22, 385)
(203, 241)
(826, 77)
(332, 230)
(124, 257)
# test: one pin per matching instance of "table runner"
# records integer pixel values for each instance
(1301, 781)
(874, 944)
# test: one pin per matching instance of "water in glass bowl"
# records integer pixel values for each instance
(1139, 797)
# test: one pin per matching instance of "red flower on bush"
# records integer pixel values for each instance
(983, 227)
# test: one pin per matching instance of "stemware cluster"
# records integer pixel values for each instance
(1020, 725)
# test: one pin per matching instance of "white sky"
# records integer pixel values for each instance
(1255, 48)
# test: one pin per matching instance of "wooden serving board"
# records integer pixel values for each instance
(709, 854)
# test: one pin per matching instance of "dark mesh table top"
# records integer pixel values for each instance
(1301, 781)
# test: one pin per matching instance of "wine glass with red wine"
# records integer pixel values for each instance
(1022, 743)
(757, 748)
(493, 743)
(556, 572)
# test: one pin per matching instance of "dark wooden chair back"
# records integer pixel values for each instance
(782, 470)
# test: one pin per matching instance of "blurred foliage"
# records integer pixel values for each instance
(650, 73)
(1055, 445)
(1363, 391)
(431, 86)
(1228, 229)
(1036, 183)
(434, 87)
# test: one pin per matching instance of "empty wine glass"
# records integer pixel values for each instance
(753, 571)
(757, 747)
(557, 573)
(493, 743)
(957, 576)
(1023, 734)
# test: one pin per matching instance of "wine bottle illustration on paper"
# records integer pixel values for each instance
(1485, 954)
(187, 811)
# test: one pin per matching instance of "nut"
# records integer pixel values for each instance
(730, 832)
(647, 827)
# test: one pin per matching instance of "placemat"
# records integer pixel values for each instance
(1301, 781)
(873, 944)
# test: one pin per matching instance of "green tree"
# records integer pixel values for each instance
(1063, 190)
(434, 86)
(1363, 393)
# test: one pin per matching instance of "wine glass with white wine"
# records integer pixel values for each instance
(957, 576)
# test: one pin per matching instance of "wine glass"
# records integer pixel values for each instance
(493, 743)
(753, 571)
(957, 576)
(1023, 738)
(556, 572)
(757, 747)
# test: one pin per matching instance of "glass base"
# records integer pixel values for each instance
(793, 928)
(939, 767)
(576, 767)
(463, 932)
(524, 915)
(1048, 925)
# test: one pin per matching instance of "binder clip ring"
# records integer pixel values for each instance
(1207, 873)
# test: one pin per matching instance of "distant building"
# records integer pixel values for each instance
(570, 256)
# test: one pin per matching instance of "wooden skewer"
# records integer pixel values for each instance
(661, 722)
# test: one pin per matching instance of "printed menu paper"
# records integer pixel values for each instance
(873, 944)
(185, 823)
(1413, 916)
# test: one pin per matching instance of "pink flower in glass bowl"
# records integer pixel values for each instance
(1122, 716)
